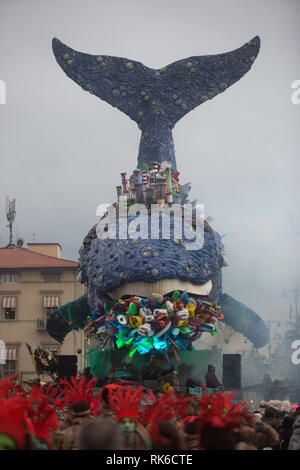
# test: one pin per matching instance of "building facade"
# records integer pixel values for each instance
(33, 282)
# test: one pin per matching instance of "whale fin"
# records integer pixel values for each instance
(244, 320)
(76, 312)
(178, 87)
(115, 80)
(156, 99)
(190, 82)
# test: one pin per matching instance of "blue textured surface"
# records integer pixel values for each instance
(107, 264)
(244, 320)
(156, 99)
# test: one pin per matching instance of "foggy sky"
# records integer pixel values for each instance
(62, 150)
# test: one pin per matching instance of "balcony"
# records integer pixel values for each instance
(41, 324)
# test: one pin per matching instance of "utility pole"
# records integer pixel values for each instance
(10, 209)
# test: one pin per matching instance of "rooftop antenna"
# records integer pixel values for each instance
(33, 237)
(10, 209)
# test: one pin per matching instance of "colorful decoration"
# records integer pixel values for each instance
(44, 361)
(145, 325)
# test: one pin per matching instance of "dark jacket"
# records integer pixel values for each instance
(211, 378)
(294, 443)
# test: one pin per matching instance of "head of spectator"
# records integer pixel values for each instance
(168, 437)
(100, 434)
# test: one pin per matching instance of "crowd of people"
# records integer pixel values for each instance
(76, 415)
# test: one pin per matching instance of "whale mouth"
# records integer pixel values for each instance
(162, 287)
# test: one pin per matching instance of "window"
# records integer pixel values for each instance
(50, 304)
(10, 366)
(8, 311)
(51, 277)
(9, 314)
(48, 311)
(10, 278)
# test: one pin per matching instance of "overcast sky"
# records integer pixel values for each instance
(62, 150)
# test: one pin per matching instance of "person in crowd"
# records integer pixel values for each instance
(285, 431)
(294, 443)
(169, 437)
(211, 379)
(259, 433)
(100, 434)
(87, 374)
(125, 402)
(67, 439)
(273, 417)
(106, 411)
(191, 430)
(215, 438)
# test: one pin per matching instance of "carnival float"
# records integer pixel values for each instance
(153, 296)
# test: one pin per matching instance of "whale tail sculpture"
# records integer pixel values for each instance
(156, 99)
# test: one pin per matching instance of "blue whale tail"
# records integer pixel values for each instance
(156, 99)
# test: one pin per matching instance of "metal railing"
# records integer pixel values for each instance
(41, 324)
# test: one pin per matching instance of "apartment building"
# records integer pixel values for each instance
(34, 281)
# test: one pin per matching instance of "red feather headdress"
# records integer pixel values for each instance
(41, 414)
(164, 408)
(79, 390)
(125, 402)
(8, 388)
(13, 421)
(21, 411)
(218, 411)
